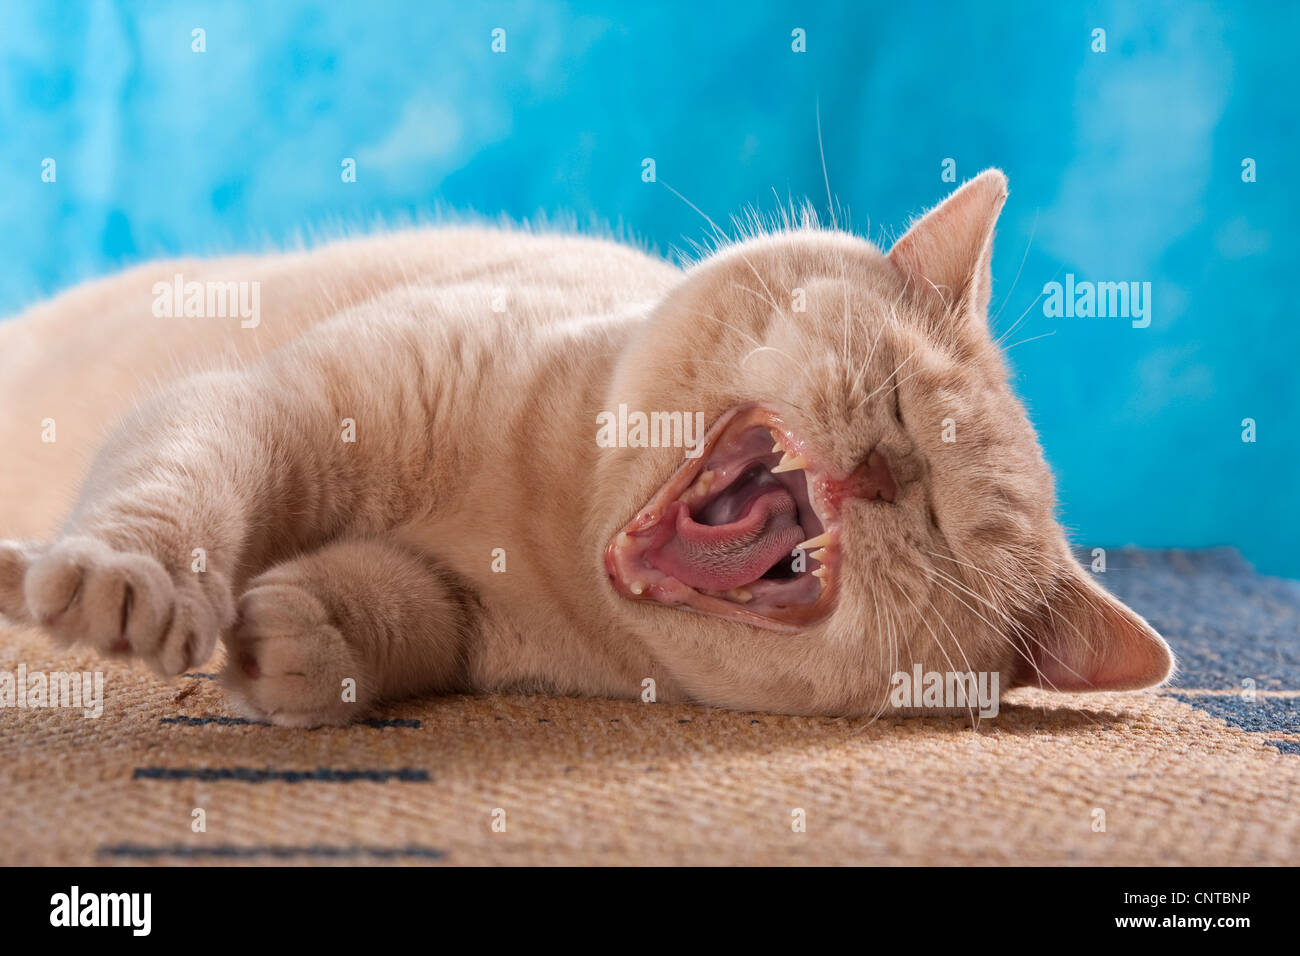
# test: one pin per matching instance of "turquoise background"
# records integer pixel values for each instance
(1124, 165)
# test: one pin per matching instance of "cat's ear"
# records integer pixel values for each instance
(946, 256)
(1088, 640)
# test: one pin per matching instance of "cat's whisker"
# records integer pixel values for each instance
(894, 321)
(943, 296)
(1000, 612)
(1032, 338)
(1004, 580)
(766, 299)
(955, 641)
(1033, 579)
(1016, 628)
(885, 643)
(887, 379)
(1016, 324)
(933, 636)
(888, 655)
(1023, 259)
(883, 652)
(1032, 663)
(996, 629)
(830, 203)
(896, 384)
(830, 209)
(721, 235)
(867, 363)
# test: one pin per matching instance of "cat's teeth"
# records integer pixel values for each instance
(819, 555)
(636, 587)
(820, 541)
(820, 575)
(790, 462)
(740, 595)
(701, 487)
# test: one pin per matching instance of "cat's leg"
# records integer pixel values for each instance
(222, 475)
(321, 638)
(125, 598)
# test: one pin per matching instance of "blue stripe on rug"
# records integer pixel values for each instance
(267, 775)
(222, 721)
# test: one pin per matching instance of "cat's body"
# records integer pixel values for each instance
(394, 478)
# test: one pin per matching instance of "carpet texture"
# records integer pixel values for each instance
(1204, 772)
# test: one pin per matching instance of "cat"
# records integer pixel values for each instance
(393, 483)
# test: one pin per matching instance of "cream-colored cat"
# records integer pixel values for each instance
(400, 473)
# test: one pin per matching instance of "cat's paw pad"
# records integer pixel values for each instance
(288, 664)
(81, 590)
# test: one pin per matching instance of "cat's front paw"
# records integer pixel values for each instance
(287, 663)
(82, 590)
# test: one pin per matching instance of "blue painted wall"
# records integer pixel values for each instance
(1124, 165)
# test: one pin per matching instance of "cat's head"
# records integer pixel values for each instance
(869, 496)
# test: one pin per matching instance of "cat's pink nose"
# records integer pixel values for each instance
(872, 479)
(878, 480)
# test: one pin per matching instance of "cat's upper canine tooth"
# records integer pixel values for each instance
(821, 541)
(789, 462)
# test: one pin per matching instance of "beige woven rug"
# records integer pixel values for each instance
(600, 782)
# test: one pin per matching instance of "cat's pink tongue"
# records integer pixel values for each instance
(721, 557)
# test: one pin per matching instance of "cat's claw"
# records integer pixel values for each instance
(83, 591)
(287, 664)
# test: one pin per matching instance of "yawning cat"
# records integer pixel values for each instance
(402, 475)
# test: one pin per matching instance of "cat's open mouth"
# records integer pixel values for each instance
(741, 532)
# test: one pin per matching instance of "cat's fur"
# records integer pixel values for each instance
(475, 430)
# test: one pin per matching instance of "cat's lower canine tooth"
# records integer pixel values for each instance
(818, 555)
(740, 595)
(790, 462)
(636, 587)
(820, 541)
